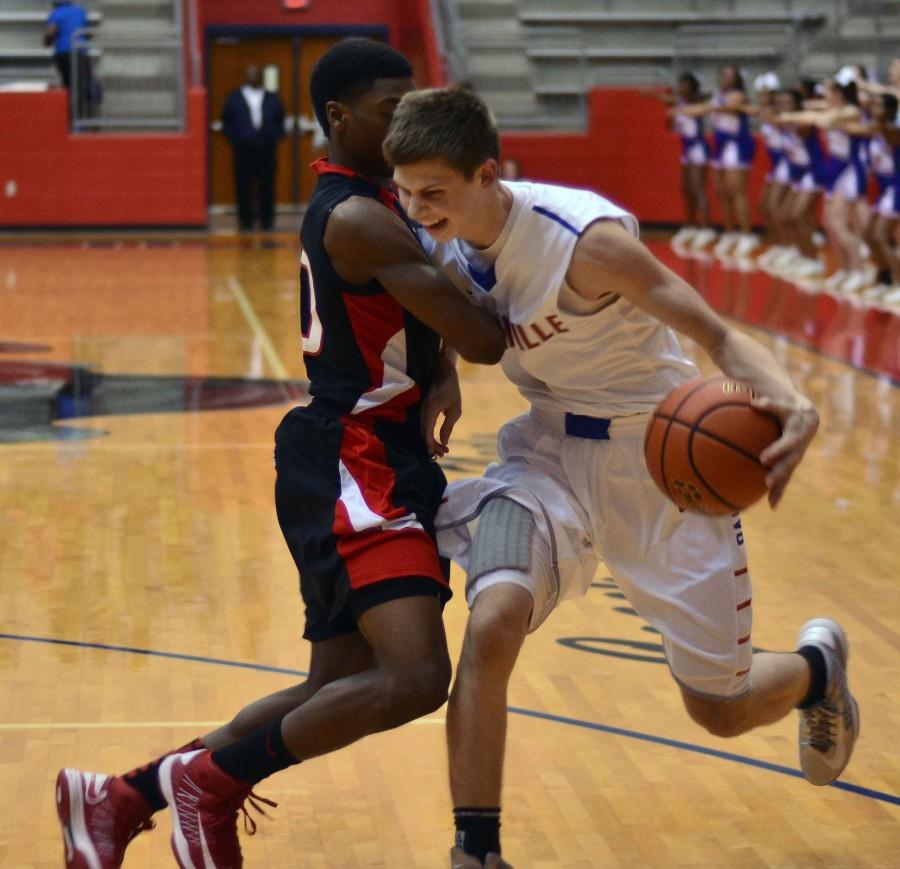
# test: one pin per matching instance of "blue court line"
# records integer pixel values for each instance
(699, 749)
(153, 653)
(893, 799)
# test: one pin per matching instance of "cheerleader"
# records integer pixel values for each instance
(884, 156)
(844, 176)
(797, 212)
(777, 184)
(733, 149)
(695, 156)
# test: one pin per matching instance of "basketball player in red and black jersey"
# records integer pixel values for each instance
(356, 494)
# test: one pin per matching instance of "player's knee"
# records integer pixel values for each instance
(722, 718)
(496, 630)
(419, 690)
(433, 684)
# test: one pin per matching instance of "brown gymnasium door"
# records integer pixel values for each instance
(286, 63)
(228, 61)
(312, 144)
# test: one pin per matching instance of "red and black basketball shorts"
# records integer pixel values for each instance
(356, 502)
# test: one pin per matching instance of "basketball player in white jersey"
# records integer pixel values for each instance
(590, 314)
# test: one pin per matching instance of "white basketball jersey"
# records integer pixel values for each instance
(610, 362)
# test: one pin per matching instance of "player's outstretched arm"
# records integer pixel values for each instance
(693, 110)
(663, 94)
(609, 259)
(875, 88)
(737, 103)
(366, 242)
(808, 117)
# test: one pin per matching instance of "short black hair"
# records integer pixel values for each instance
(796, 96)
(349, 69)
(691, 81)
(890, 103)
(738, 84)
(809, 88)
(849, 91)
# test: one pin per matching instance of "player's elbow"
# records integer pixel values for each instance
(488, 351)
(477, 336)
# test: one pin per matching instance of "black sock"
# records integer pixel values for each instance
(884, 277)
(145, 779)
(257, 756)
(818, 678)
(477, 830)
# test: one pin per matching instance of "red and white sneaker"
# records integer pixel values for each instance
(204, 802)
(100, 815)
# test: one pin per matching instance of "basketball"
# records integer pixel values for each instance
(703, 443)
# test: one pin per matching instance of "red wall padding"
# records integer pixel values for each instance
(627, 154)
(97, 179)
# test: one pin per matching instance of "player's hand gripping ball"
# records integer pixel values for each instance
(703, 443)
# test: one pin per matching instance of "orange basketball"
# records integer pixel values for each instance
(703, 443)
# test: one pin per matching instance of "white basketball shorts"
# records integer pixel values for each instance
(684, 573)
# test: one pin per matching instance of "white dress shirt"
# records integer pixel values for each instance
(254, 98)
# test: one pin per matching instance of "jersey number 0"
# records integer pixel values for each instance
(310, 324)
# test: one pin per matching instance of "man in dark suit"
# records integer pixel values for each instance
(253, 122)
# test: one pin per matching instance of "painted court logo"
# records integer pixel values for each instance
(39, 398)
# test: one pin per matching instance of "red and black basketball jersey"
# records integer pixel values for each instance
(365, 355)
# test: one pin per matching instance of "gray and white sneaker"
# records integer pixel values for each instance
(828, 730)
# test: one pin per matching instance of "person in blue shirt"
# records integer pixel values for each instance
(66, 24)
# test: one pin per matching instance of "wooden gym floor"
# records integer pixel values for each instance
(146, 593)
